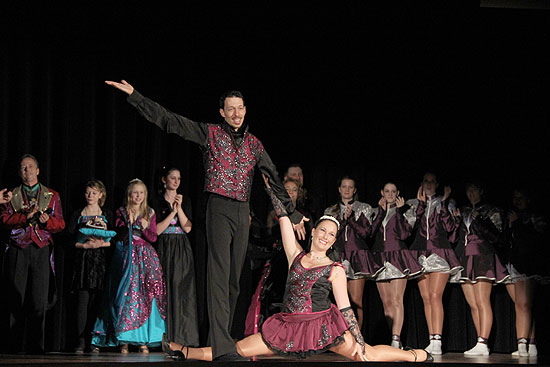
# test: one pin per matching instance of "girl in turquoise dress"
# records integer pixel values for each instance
(135, 299)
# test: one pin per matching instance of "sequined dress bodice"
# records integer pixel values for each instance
(307, 289)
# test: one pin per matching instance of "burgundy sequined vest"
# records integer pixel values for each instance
(229, 169)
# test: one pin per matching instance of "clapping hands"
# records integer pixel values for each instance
(5, 196)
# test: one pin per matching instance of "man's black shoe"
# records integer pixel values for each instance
(230, 357)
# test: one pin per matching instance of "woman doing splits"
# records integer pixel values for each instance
(310, 323)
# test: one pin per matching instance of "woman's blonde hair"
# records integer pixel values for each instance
(144, 210)
(99, 186)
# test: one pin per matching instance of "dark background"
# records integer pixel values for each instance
(380, 91)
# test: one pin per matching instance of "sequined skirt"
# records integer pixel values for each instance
(398, 264)
(303, 334)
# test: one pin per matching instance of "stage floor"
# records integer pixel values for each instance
(322, 360)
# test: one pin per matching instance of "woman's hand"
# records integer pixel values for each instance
(421, 195)
(123, 86)
(360, 351)
(266, 180)
(512, 217)
(144, 223)
(382, 203)
(348, 211)
(93, 243)
(399, 201)
(178, 201)
(446, 192)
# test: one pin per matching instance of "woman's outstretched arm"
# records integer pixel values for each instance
(290, 245)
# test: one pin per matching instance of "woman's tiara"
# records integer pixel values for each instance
(331, 218)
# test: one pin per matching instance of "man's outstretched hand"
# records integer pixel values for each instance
(123, 86)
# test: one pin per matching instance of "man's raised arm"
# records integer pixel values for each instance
(167, 120)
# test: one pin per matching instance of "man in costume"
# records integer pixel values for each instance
(32, 215)
(230, 154)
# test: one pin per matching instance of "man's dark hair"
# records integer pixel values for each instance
(230, 94)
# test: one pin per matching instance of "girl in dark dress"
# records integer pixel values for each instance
(90, 260)
(176, 257)
(309, 323)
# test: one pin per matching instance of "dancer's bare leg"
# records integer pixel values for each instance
(250, 346)
(523, 292)
(385, 296)
(380, 353)
(482, 292)
(424, 288)
(355, 291)
(468, 290)
(438, 282)
(253, 345)
(398, 287)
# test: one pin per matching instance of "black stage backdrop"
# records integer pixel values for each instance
(381, 92)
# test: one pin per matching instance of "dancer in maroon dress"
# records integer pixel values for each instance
(525, 232)
(355, 220)
(392, 226)
(479, 231)
(434, 224)
(310, 323)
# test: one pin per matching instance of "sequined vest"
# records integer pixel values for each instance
(229, 169)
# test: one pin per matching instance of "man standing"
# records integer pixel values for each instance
(33, 214)
(230, 154)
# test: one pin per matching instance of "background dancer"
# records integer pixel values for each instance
(392, 226)
(525, 231)
(434, 224)
(355, 220)
(479, 231)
